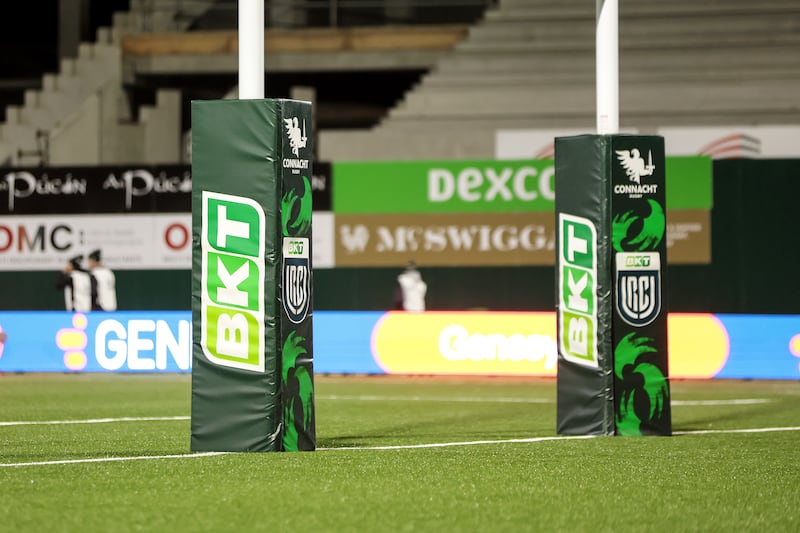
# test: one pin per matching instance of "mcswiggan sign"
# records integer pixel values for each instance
(445, 239)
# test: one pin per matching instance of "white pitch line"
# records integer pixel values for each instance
(469, 399)
(92, 421)
(464, 443)
(545, 439)
(752, 430)
(398, 447)
(744, 401)
(111, 459)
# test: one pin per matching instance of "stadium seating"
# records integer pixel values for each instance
(530, 64)
(526, 64)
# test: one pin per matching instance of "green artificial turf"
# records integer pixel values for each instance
(362, 478)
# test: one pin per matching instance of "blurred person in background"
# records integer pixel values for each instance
(80, 288)
(411, 290)
(106, 283)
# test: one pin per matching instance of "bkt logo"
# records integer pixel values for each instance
(577, 279)
(232, 293)
(637, 260)
(638, 287)
(296, 278)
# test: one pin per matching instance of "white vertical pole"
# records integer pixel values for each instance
(251, 49)
(607, 74)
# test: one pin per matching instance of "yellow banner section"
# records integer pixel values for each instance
(521, 344)
(466, 343)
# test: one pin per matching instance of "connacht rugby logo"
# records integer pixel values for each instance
(638, 287)
(296, 278)
(297, 137)
(634, 164)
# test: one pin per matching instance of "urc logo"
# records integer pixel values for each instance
(296, 278)
(232, 285)
(638, 287)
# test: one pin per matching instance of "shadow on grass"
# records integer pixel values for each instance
(731, 414)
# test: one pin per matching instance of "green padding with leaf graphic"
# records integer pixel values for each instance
(639, 296)
(298, 395)
(297, 367)
(644, 391)
(296, 211)
(633, 233)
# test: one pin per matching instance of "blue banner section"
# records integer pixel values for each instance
(762, 347)
(141, 341)
(343, 342)
(354, 342)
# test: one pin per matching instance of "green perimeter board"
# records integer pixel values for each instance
(639, 302)
(585, 396)
(485, 186)
(297, 368)
(236, 404)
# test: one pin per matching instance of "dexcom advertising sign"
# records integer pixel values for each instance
(480, 213)
(443, 187)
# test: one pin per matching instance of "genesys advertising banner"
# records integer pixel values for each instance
(701, 346)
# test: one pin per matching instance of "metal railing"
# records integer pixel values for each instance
(222, 14)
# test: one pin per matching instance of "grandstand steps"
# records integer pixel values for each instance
(668, 96)
(160, 15)
(539, 10)
(81, 115)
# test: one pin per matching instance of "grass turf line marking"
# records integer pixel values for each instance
(742, 401)
(545, 439)
(110, 459)
(464, 443)
(93, 421)
(434, 399)
(398, 447)
(752, 430)
(745, 401)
